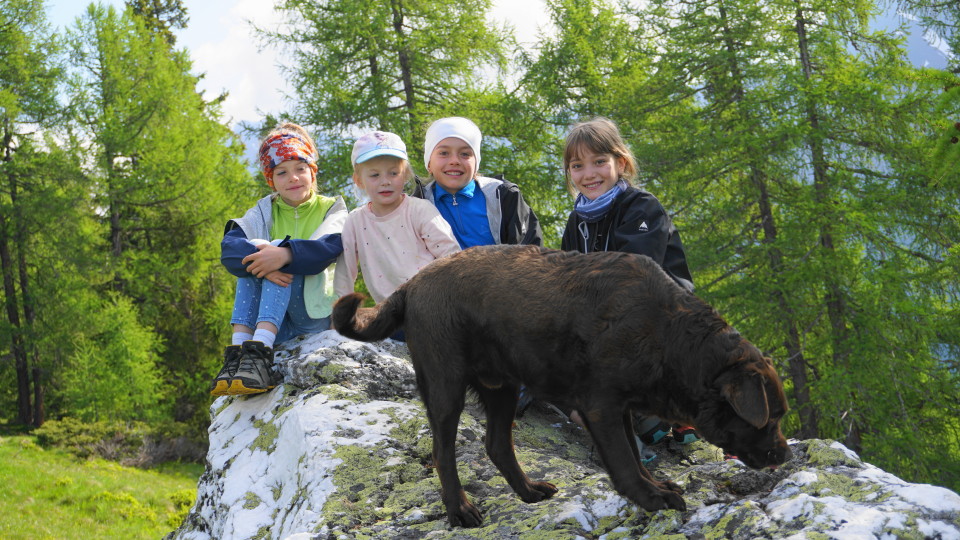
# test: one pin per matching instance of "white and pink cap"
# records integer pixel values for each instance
(376, 144)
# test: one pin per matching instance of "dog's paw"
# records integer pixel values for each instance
(462, 513)
(667, 485)
(465, 516)
(673, 500)
(662, 500)
(538, 491)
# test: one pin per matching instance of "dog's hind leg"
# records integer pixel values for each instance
(500, 405)
(607, 430)
(444, 403)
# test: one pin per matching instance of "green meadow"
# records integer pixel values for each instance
(51, 494)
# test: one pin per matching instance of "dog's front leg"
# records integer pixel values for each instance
(606, 427)
(500, 405)
(632, 441)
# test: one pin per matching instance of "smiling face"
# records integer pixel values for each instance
(382, 179)
(452, 164)
(293, 180)
(593, 174)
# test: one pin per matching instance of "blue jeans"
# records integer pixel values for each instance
(260, 300)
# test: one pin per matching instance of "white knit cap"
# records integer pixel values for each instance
(454, 126)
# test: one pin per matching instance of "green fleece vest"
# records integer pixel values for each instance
(302, 221)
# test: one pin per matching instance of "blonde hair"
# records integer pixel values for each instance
(600, 136)
(408, 172)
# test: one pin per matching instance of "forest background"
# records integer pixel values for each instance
(813, 171)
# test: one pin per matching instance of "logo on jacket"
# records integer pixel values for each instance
(643, 227)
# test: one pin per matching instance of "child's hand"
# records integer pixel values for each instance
(267, 259)
(282, 279)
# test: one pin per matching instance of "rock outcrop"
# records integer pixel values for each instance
(342, 450)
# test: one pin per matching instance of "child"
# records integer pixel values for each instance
(392, 236)
(480, 210)
(284, 286)
(612, 215)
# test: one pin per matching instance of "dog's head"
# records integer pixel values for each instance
(744, 411)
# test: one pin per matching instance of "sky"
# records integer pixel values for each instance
(223, 46)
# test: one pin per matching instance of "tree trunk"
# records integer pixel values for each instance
(835, 301)
(406, 69)
(24, 412)
(38, 412)
(809, 421)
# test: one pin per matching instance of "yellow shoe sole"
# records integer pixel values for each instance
(235, 387)
(221, 388)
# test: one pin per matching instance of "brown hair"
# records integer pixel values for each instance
(601, 136)
(288, 128)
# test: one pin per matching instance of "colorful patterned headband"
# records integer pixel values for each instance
(283, 147)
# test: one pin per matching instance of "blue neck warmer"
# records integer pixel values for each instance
(593, 211)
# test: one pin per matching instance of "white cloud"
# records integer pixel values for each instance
(225, 47)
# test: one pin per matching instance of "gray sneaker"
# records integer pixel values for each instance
(231, 361)
(254, 374)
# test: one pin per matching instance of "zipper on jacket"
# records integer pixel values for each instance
(585, 233)
(499, 238)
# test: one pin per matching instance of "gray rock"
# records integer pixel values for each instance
(342, 450)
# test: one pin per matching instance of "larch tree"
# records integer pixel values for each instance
(395, 66)
(166, 174)
(29, 74)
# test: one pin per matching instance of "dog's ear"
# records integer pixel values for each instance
(745, 393)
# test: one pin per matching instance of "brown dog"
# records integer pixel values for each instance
(604, 333)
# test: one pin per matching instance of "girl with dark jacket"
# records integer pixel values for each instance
(612, 215)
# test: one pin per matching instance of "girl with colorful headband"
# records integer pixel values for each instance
(282, 251)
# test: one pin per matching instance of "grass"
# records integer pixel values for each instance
(50, 494)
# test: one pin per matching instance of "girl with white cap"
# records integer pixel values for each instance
(481, 210)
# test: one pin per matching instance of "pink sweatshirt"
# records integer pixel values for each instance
(392, 248)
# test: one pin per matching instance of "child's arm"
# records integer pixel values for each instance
(312, 256)
(268, 258)
(525, 214)
(234, 247)
(523, 226)
(644, 229)
(436, 234)
(345, 273)
(647, 229)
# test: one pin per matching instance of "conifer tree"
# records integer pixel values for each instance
(28, 85)
(166, 175)
(395, 66)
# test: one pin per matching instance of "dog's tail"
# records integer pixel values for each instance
(369, 324)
